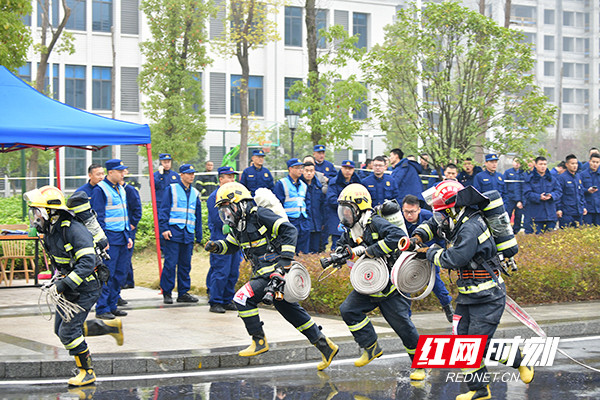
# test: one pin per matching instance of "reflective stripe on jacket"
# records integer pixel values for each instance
(183, 209)
(295, 198)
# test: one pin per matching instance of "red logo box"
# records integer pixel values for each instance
(449, 351)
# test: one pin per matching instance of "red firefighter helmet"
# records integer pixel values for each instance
(444, 196)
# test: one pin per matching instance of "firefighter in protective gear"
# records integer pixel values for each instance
(379, 237)
(472, 252)
(71, 249)
(268, 241)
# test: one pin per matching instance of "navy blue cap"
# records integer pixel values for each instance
(164, 156)
(491, 157)
(319, 147)
(187, 169)
(115, 164)
(226, 170)
(294, 162)
(348, 163)
(258, 153)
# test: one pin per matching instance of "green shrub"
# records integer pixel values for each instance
(11, 211)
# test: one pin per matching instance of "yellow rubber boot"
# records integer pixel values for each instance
(368, 355)
(86, 374)
(328, 350)
(418, 374)
(117, 325)
(526, 373)
(258, 346)
(83, 393)
(479, 394)
(96, 327)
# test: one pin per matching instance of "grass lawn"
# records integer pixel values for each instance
(145, 270)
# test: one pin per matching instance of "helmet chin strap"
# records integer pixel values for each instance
(358, 229)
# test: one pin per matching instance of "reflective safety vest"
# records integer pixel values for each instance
(115, 218)
(295, 198)
(183, 210)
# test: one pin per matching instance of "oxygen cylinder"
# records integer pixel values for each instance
(391, 211)
(499, 223)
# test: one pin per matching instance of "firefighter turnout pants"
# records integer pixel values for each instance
(250, 295)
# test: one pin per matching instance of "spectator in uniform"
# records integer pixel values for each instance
(224, 268)
(406, 175)
(344, 177)
(96, 174)
(109, 200)
(134, 212)
(467, 176)
(256, 175)
(380, 185)
(542, 192)
(207, 183)
(366, 169)
(164, 177)
(316, 211)
(514, 180)
(559, 169)
(489, 178)
(591, 181)
(415, 216)
(291, 192)
(570, 208)
(180, 220)
(321, 164)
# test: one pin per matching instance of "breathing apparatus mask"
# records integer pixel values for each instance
(38, 218)
(447, 220)
(232, 215)
(348, 213)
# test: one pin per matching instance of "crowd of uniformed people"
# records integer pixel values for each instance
(320, 202)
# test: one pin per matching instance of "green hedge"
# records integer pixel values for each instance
(558, 266)
(11, 211)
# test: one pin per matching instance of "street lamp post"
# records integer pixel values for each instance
(292, 121)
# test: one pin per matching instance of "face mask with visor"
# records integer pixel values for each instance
(348, 213)
(38, 218)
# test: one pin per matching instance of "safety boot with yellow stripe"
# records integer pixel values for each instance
(526, 373)
(418, 374)
(86, 374)
(258, 346)
(369, 354)
(479, 394)
(328, 350)
(96, 327)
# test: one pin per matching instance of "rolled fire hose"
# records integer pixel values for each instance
(369, 275)
(411, 274)
(297, 283)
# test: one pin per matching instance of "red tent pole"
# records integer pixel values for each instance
(154, 211)
(57, 162)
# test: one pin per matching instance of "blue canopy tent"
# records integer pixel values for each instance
(29, 119)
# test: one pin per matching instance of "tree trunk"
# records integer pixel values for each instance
(244, 112)
(482, 7)
(313, 66)
(507, 9)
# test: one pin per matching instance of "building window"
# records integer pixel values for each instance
(576, 19)
(360, 28)
(26, 19)
(548, 42)
(130, 17)
(576, 70)
(523, 15)
(75, 85)
(101, 15)
(360, 111)
(55, 88)
(549, 17)
(101, 88)
(288, 83)
(218, 94)
(548, 68)
(576, 45)
(321, 22)
(76, 20)
(255, 95)
(75, 164)
(549, 93)
(293, 26)
(52, 6)
(529, 38)
(102, 156)
(24, 72)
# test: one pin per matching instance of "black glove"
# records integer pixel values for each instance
(422, 255)
(61, 285)
(213, 247)
(283, 265)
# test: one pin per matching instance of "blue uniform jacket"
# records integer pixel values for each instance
(424, 215)
(280, 192)
(215, 225)
(179, 235)
(316, 198)
(537, 209)
(326, 168)
(486, 181)
(254, 178)
(466, 179)
(592, 200)
(381, 189)
(336, 185)
(98, 203)
(572, 201)
(406, 175)
(514, 190)
(86, 188)
(134, 205)
(162, 182)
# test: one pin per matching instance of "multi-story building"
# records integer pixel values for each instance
(564, 35)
